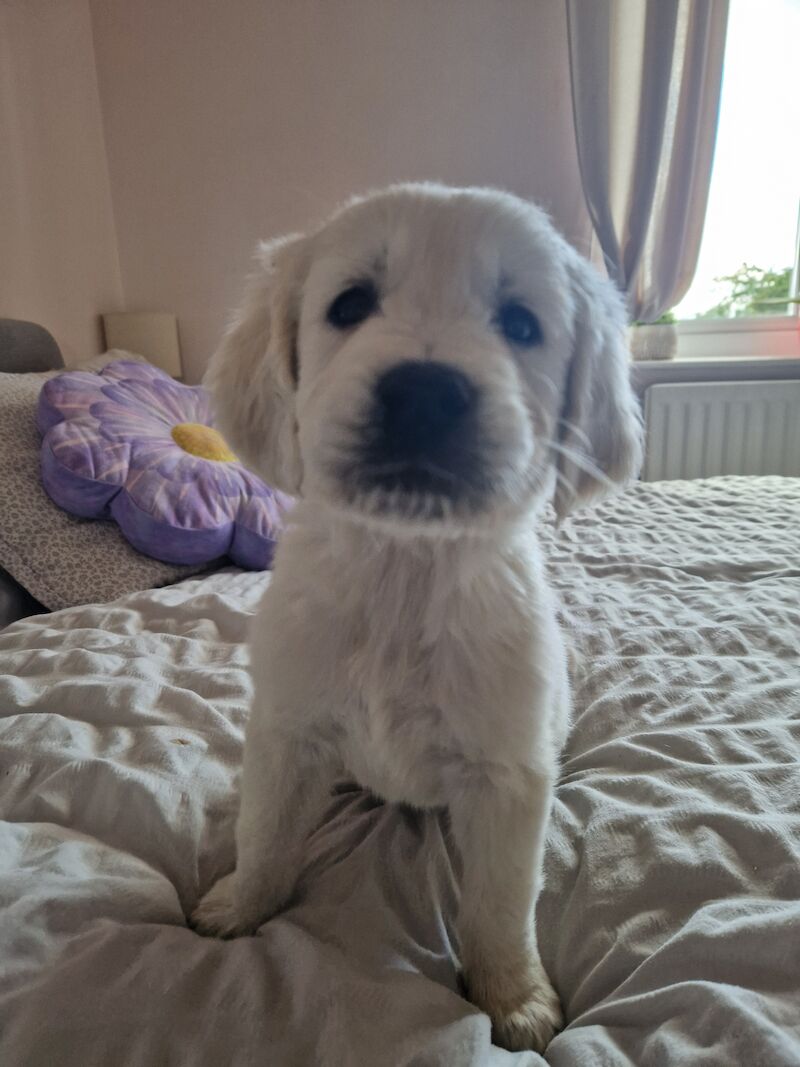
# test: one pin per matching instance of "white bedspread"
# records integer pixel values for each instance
(670, 921)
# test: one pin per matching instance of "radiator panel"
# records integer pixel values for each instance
(698, 429)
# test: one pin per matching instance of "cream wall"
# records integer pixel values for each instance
(58, 252)
(225, 122)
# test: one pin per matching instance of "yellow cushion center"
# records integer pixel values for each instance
(202, 441)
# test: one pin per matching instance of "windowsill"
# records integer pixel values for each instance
(684, 357)
(745, 323)
(769, 337)
(682, 368)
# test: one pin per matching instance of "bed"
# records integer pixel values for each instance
(670, 918)
(25, 348)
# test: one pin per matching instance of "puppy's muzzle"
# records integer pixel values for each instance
(421, 434)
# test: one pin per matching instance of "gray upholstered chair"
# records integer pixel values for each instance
(26, 346)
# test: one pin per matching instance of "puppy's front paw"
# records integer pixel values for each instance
(532, 1025)
(524, 1015)
(220, 913)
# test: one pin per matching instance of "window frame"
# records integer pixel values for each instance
(756, 336)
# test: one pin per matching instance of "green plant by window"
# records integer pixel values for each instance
(665, 320)
(752, 291)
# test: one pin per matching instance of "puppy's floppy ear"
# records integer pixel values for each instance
(601, 428)
(253, 375)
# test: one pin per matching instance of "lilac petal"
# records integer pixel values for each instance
(195, 405)
(119, 422)
(81, 477)
(251, 484)
(68, 396)
(179, 466)
(259, 523)
(163, 401)
(171, 544)
(227, 479)
(131, 369)
(156, 452)
(192, 503)
(169, 461)
(75, 445)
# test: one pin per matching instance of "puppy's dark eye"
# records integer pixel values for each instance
(353, 306)
(518, 325)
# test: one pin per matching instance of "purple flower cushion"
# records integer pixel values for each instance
(132, 444)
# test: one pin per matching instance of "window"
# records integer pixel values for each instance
(748, 260)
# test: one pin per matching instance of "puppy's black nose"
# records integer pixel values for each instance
(422, 405)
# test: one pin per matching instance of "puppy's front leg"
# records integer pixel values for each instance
(500, 835)
(285, 784)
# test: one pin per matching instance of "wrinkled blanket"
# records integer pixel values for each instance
(670, 919)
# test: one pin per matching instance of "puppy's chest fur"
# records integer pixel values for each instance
(441, 660)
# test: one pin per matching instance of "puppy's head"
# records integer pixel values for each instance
(430, 357)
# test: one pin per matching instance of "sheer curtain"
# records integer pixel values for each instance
(646, 79)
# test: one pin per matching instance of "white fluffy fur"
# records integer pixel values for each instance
(412, 643)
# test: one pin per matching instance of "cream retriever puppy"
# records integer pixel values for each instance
(423, 372)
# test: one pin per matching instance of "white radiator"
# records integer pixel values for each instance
(697, 429)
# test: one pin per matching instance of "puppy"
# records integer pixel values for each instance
(423, 372)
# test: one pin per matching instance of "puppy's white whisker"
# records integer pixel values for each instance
(582, 461)
(573, 428)
(425, 466)
(563, 481)
(540, 376)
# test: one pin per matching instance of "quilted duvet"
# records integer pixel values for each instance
(670, 918)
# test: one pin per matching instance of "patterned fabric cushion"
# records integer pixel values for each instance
(132, 443)
(60, 559)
